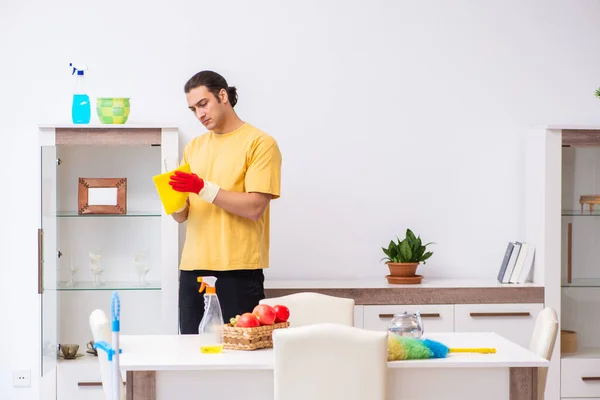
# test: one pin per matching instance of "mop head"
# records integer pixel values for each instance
(409, 348)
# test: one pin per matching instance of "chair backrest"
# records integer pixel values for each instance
(313, 308)
(329, 362)
(542, 342)
(100, 326)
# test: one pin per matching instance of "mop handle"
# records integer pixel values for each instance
(116, 315)
(483, 350)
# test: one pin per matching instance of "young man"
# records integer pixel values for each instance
(235, 173)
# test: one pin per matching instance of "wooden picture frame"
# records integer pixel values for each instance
(102, 196)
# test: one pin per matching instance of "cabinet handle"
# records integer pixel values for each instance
(40, 260)
(590, 378)
(500, 314)
(570, 252)
(426, 315)
(93, 383)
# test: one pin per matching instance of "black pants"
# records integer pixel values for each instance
(239, 291)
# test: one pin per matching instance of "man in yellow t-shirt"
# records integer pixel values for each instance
(235, 173)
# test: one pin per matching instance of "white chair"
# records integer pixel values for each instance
(101, 331)
(313, 308)
(329, 362)
(542, 343)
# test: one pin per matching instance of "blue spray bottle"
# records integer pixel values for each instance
(81, 109)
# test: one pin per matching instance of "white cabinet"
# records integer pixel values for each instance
(103, 229)
(515, 322)
(435, 317)
(562, 182)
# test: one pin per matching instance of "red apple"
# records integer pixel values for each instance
(265, 314)
(282, 313)
(247, 320)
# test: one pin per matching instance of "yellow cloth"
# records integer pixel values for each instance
(172, 200)
(245, 160)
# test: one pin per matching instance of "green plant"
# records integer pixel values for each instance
(408, 250)
(597, 93)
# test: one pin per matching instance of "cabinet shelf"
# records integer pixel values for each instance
(582, 282)
(578, 213)
(109, 285)
(130, 214)
(585, 352)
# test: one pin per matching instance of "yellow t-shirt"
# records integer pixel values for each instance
(245, 160)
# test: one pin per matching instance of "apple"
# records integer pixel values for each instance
(247, 320)
(265, 314)
(282, 313)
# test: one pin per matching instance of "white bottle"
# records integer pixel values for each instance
(211, 326)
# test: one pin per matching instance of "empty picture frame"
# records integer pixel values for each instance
(102, 196)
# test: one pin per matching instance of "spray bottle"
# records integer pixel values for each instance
(211, 326)
(80, 109)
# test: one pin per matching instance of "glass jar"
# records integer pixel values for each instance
(404, 324)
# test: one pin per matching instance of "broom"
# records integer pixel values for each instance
(409, 348)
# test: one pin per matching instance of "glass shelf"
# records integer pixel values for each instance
(74, 214)
(586, 352)
(582, 282)
(109, 285)
(578, 213)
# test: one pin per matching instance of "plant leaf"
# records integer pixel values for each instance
(393, 250)
(426, 256)
(410, 236)
(405, 251)
(419, 253)
(416, 245)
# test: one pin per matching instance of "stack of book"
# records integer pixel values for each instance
(517, 263)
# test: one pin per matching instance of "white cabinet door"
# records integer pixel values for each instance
(358, 316)
(515, 322)
(580, 377)
(79, 379)
(435, 317)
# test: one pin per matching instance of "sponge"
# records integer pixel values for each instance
(171, 199)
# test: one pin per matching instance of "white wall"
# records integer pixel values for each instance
(389, 115)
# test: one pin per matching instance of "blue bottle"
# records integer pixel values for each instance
(80, 109)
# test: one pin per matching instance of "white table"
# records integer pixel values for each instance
(172, 367)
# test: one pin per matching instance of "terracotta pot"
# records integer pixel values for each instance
(402, 269)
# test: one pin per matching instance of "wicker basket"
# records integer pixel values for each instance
(261, 337)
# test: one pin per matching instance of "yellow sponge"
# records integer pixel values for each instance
(172, 200)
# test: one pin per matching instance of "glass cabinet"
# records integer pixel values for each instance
(562, 215)
(103, 229)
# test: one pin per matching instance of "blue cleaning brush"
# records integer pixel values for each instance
(113, 351)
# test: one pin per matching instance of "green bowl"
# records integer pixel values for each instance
(113, 110)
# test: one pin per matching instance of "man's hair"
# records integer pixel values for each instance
(213, 82)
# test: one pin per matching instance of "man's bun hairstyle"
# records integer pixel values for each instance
(213, 82)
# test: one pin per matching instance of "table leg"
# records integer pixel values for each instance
(141, 385)
(523, 383)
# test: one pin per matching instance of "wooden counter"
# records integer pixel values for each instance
(434, 291)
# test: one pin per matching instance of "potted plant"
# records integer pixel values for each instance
(597, 93)
(404, 256)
